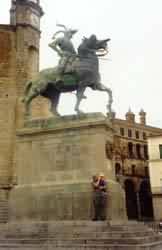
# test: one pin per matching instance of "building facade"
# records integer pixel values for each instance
(19, 61)
(155, 169)
(130, 157)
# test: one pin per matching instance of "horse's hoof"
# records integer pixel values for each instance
(110, 116)
(108, 107)
(79, 112)
(55, 113)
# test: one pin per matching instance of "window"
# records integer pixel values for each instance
(129, 133)
(133, 169)
(138, 151)
(130, 150)
(144, 135)
(146, 171)
(160, 150)
(117, 168)
(33, 61)
(122, 131)
(145, 152)
(137, 134)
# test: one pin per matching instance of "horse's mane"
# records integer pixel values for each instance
(84, 47)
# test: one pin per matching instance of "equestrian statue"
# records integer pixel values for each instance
(75, 71)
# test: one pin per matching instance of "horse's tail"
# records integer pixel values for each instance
(27, 88)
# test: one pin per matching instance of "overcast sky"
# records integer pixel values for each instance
(133, 68)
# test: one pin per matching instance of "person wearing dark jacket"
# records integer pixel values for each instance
(99, 187)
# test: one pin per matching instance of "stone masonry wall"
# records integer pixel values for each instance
(7, 101)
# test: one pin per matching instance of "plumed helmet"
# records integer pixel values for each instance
(73, 31)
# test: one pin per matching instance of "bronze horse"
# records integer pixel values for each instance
(85, 74)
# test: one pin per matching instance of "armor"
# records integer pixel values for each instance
(65, 49)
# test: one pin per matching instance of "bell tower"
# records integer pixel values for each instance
(28, 13)
(25, 16)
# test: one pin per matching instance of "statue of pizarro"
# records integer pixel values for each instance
(65, 49)
(75, 71)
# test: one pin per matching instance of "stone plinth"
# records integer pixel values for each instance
(55, 161)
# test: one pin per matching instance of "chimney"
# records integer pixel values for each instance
(142, 117)
(130, 116)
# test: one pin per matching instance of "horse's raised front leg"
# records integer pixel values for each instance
(80, 96)
(102, 87)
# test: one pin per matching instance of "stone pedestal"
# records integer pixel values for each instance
(55, 161)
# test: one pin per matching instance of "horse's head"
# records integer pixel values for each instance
(93, 45)
(100, 46)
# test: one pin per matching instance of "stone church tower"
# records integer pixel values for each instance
(25, 17)
(19, 61)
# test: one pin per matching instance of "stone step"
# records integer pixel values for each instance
(74, 232)
(80, 225)
(62, 246)
(100, 237)
(54, 231)
(102, 234)
(78, 236)
(79, 240)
